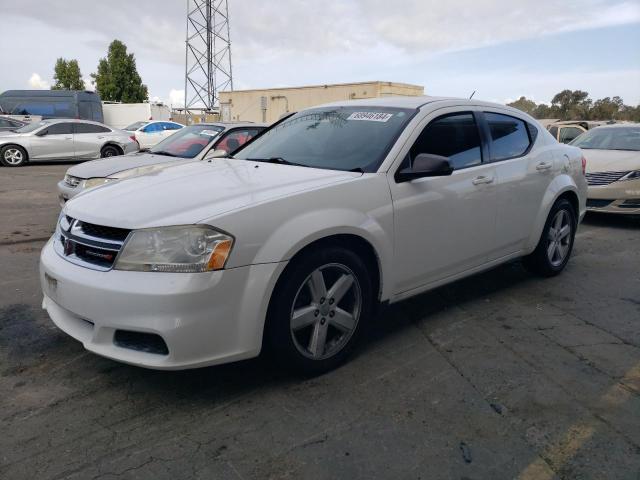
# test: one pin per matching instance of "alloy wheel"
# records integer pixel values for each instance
(13, 156)
(559, 238)
(325, 311)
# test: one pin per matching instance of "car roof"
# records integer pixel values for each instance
(417, 102)
(619, 125)
(73, 120)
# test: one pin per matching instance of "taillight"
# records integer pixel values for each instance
(133, 137)
(584, 165)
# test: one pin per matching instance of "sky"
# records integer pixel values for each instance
(500, 49)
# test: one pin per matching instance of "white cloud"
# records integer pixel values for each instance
(37, 82)
(176, 98)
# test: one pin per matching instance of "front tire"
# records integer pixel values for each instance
(556, 242)
(319, 310)
(13, 156)
(110, 151)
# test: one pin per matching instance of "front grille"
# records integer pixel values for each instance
(89, 245)
(72, 181)
(597, 179)
(597, 203)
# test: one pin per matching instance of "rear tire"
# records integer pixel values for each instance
(110, 151)
(13, 156)
(556, 242)
(319, 310)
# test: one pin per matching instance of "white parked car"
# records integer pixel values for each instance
(148, 134)
(195, 142)
(63, 139)
(293, 242)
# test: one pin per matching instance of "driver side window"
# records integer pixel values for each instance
(455, 136)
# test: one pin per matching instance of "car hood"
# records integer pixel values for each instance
(193, 192)
(611, 160)
(105, 167)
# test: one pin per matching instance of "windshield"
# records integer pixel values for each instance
(31, 127)
(336, 138)
(188, 141)
(135, 126)
(613, 138)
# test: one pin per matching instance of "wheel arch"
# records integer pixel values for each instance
(562, 186)
(112, 144)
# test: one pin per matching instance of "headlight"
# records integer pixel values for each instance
(635, 175)
(95, 182)
(71, 181)
(194, 248)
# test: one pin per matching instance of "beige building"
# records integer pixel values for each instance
(268, 105)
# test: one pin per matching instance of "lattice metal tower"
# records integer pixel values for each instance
(208, 54)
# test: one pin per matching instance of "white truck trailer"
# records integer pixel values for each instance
(119, 115)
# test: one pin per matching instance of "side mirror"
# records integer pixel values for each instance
(425, 165)
(41, 133)
(216, 154)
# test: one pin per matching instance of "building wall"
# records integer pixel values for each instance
(268, 105)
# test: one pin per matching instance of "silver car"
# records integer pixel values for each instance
(63, 139)
(195, 142)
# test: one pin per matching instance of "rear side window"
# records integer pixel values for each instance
(153, 128)
(454, 136)
(509, 136)
(60, 129)
(171, 126)
(89, 128)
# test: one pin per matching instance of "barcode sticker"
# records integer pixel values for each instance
(371, 116)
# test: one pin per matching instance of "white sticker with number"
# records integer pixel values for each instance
(209, 133)
(371, 116)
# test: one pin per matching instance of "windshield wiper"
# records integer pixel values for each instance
(278, 160)
(164, 152)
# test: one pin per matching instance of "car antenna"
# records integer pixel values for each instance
(474, 92)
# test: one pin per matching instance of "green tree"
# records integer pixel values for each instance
(67, 75)
(607, 109)
(572, 104)
(524, 104)
(117, 78)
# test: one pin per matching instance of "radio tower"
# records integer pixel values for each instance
(208, 55)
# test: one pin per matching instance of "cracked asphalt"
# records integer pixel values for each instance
(499, 376)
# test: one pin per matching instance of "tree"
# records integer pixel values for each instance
(524, 104)
(607, 108)
(572, 105)
(67, 75)
(117, 78)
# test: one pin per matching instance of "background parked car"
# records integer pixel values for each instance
(63, 140)
(9, 124)
(613, 168)
(149, 134)
(567, 131)
(195, 142)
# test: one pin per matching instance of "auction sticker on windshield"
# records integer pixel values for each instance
(371, 116)
(209, 133)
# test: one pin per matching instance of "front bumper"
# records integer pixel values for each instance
(203, 318)
(622, 197)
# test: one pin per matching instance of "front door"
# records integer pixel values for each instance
(444, 225)
(56, 144)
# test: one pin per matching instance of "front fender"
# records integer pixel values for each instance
(559, 185)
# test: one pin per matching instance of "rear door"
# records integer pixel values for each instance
(150, 135)
(88, 140)
(444, 225)
(56, 144)
(524, 172)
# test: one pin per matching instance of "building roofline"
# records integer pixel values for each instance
(327, 85)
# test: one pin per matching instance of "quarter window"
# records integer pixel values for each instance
(454, 136)
(509, 136)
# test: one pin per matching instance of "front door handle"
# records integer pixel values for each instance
(68, 138)
(482, 180)
(541, 167)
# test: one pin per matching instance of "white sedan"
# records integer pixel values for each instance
(148, 134)
(291, 243)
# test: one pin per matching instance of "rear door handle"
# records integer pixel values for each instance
(541, 167)
(482, 180)
(68, 138)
